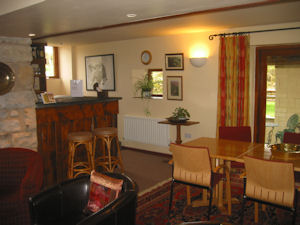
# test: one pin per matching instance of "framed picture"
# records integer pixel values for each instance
(174, 87)
(100, 72)
(174, 61)
(47, 98)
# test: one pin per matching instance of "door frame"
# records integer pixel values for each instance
(260, 83)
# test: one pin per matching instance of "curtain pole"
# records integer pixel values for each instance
(211, 37)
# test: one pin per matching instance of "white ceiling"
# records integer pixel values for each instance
(106, 20)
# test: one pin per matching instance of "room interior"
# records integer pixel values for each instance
(175, 34)
(183, 29)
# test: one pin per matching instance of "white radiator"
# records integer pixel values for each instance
(146, 130)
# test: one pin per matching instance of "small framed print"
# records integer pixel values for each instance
(174, 88)
(174, 61)
(47, 98)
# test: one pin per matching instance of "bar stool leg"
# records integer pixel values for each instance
(108, 145)
(71, 159)
(119, 154)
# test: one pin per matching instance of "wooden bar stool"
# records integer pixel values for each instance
(106, 159)
(79, 167)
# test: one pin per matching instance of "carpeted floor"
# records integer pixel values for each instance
(153, 209)
(146, 169)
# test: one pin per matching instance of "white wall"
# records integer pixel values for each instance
(200, 85)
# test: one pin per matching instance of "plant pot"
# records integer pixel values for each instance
(146, 94)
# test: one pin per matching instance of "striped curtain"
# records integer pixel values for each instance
(233, 93)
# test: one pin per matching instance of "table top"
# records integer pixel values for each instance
(236, 150)
(186, 123)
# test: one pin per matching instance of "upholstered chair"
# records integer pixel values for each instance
(192, 166)
(290, 137)
(21, 175)
(242, 133)
(270, 182)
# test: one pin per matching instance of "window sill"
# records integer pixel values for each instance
(52, 77)
(153, 97)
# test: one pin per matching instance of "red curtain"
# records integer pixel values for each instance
(233, 94)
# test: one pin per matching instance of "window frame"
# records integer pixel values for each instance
(150, 74)
(55, 63)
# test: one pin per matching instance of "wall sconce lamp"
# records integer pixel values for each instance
(198, 61)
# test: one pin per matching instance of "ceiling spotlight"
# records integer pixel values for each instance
(31, 35)
(131, 15)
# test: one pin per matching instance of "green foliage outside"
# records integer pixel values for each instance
(157, 78)
(270, 109)
(271, 91)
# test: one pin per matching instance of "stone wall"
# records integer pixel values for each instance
(17, 107)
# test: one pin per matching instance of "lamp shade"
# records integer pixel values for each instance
(198, 62)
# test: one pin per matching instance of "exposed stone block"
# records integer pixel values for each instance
(25, 140)
(5, 140)
(10, 125)
(17, 100)
(3, 113)
(29, 118)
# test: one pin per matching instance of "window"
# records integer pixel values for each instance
(51, 62)
(271, 92)
(158, 78)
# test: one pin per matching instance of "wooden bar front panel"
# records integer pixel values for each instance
(53, 126)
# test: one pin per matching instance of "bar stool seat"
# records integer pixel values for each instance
(106, 159)
(75, 139)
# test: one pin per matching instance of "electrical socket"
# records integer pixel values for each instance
(188, 135)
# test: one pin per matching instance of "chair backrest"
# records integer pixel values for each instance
(270, 181)
(242, 133)
(191, 164)
(290, 137)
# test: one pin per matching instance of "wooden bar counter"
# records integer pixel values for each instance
(55, 121)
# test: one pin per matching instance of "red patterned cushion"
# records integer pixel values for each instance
(103, 189)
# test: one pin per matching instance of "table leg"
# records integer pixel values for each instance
(188, 194)
(178, 139)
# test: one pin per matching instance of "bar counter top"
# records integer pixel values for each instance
(68, 100)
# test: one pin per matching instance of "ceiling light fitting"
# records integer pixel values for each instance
(131, 15)
(31, 35)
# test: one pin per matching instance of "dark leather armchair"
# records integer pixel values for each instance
(65, 204)
(21, 175)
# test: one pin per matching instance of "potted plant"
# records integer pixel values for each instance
(145, 85)
(180, 115)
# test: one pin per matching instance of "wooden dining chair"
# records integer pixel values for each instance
(293, 138)
(242, 133)
(192, 166)
(290, 137)
(271, 183)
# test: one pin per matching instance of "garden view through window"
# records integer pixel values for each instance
(271, 92)
(157, 78)
(51, 54)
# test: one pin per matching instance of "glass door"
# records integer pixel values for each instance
(277, 93)
(282, 97)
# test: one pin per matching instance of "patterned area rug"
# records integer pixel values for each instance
(153, 209)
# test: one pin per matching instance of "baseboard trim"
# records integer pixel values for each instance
(148, 152)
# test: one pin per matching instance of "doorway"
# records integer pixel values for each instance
(277, 92)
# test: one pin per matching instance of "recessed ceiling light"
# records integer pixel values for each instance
(130, 15)
(31, 35)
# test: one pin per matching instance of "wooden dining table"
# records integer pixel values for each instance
(225, 151)
(230, 150)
